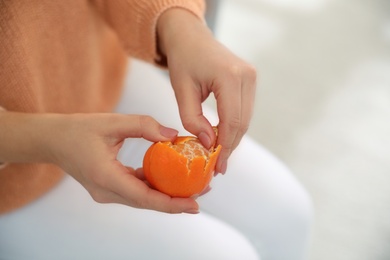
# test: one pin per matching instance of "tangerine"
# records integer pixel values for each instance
(181, 168)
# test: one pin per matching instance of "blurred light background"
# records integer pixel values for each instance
(323, 107)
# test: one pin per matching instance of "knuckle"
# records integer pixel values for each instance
(235, 70)
(172, 210)
(251, 70)
(243, 70)
(234, 123)
(226, 151)
(145, 120)
(99, 179)
(188, 123)
(252, 74)
(140, 203)
(243, 129)
(98, 196)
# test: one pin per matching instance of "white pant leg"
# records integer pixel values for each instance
(258, 195)
(67, 224)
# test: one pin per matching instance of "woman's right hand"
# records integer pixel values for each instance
(86, 147)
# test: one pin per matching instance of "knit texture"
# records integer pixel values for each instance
(67, 57)
(2, 164)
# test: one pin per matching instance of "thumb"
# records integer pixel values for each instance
(189, 100)
(142, 126)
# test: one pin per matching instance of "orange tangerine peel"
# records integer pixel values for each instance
(181, 168)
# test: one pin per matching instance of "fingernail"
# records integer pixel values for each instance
(168, 132)
(205, 140)
(192, 211)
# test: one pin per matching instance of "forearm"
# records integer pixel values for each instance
(26, 137)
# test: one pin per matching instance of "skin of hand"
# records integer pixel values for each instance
(86, 147)
(200, 65)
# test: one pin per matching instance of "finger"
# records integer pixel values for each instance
(140, 173)
(248, 91)
(205, 191)
(141, 126)
(105, 196)
(148, 198)
(189, 99)
(137, 194)
(229, 111)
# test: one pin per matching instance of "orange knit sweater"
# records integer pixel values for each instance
(66, 57)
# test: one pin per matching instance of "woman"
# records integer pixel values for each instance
(63, 65)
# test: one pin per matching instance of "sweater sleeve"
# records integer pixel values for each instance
(135, 23)
(2, 164)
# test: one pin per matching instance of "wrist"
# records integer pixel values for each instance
(26, 137)
(177, 26)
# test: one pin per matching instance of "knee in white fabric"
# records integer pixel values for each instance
(291, 217)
